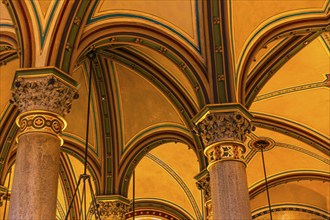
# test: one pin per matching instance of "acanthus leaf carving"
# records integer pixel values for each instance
(222, 126)
(43, 93)
(111, 209)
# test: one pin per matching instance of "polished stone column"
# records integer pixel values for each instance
(112, 207)
(203, 183)
(43, 97)
(223, 129)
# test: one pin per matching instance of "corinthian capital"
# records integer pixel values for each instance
(46, 89)
(223, 123)
(112, 207)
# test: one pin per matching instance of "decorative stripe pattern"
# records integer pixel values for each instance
(44, 28)
(41, 121)
(326, 39)
(150, 212)
(179, 180)
(250, 155)
(293, 89)
(59, 208)
(224, 151)
(290, 207)
(253, 152)
(197, 47)
(286, 177)
(302, 150)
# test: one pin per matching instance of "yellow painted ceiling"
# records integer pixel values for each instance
(44, 5)
(141, 111)
(7, 74)
(5, 16)
(310, 65)
(183, 19)
(250, 16)
(136, 109)
(181, 162)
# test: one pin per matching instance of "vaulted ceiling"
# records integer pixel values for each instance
(158, 63)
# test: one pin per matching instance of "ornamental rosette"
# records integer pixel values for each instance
(43, 93)
(224, 126)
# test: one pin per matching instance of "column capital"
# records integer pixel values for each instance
(203, 183)
(223, 123)
(112, 207)
(47, 89)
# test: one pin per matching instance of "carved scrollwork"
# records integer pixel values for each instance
(204, 184)
(112, 209)
(43, 93)
(41, 121)
(209, 210)
(223, 126)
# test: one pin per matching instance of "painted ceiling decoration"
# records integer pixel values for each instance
(159, 64)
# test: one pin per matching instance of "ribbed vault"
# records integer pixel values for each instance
(158, 63)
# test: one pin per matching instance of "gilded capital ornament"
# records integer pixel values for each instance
(204, 184)
(112, 207)
(224, 126)
(209, 210)
(115, 210)
(46, 89)
(43, 96)
(223, 129)
(225, 151)
(42, 122)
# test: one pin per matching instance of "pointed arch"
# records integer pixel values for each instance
(24, 32)
(296, 29)
(144, 145)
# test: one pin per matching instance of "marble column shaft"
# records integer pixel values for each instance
(229, 191)
(36, 175)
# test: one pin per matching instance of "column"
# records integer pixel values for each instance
(112, 207)
(223, 129)
(203, 184)
(43, 97)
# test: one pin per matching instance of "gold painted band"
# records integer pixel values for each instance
(221, 143)
(41, 113)
(223, 160)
